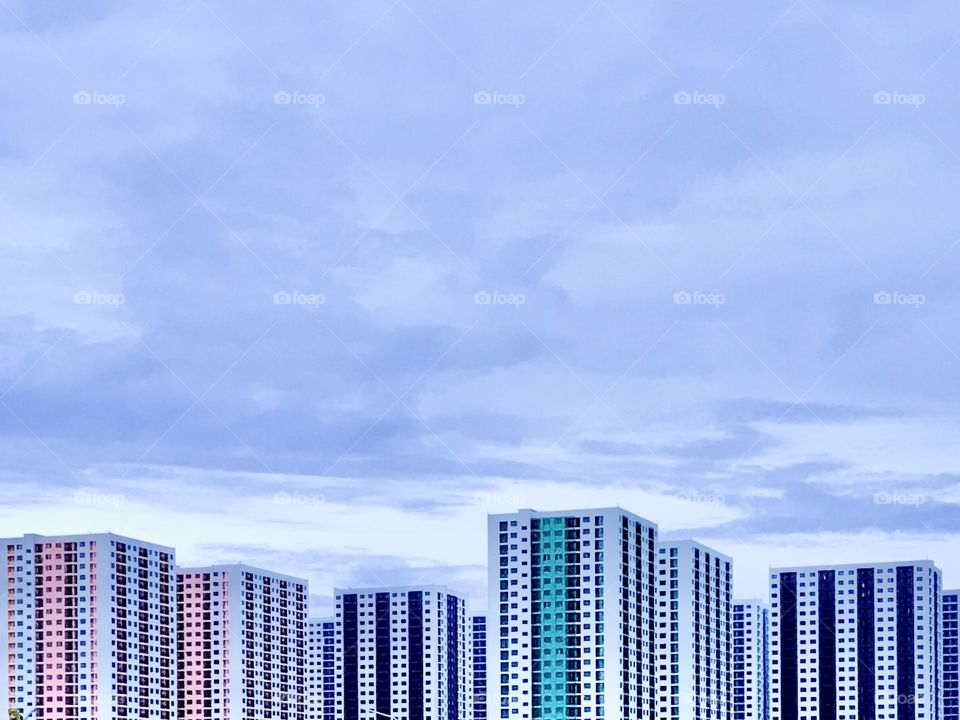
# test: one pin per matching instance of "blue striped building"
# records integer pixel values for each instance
(856, 642)
(403, 652)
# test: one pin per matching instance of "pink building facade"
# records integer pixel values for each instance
(90, 627)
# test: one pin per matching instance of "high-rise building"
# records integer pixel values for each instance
(695, 642)
(951, 656)
(243, 643)
(321, 669)
(557, 649)
(90, 627)
(856, 642)
(478, 644)
(751, 660)
(403, 652)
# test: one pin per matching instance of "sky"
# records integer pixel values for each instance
(318, 286)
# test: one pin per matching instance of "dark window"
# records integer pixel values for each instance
(415, 643)
(351, 654)
(826, 588)
(905, 647)
(789, 681)
(866, 655)
(383, 655)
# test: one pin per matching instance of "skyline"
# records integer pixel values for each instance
(319, 288)
(583, 597)
(435, 579)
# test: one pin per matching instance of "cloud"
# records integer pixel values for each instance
(737, 315)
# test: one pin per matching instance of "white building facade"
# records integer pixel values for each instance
(951, 655)
(478, 644)
(321, 669)
(856, 642)
(402, 652)
(695, 634)
(243, 649)
(90, 627)
(751, 660)
(571, 618)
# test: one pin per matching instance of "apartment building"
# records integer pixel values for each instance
(856, 642)
(951, 656)
(571, 619)
(695, 639)
(90, 627)
(243, 643)
(321, 669)
(402, 652)
(751, 660)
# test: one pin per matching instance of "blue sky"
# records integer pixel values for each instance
(319, 286)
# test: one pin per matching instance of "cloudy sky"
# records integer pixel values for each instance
(318, 286)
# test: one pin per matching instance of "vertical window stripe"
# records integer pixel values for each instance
(906, 688)
(789, 678)
(827, 633)
(866, 654)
